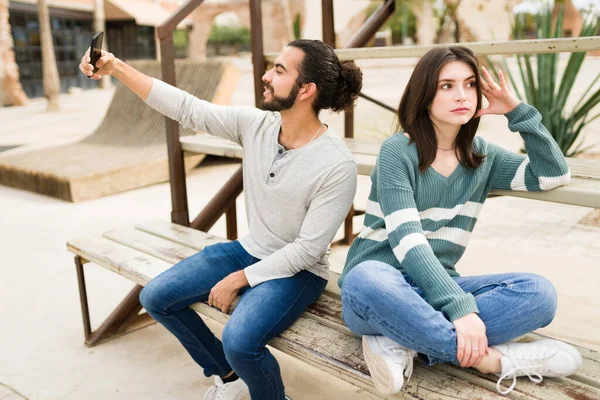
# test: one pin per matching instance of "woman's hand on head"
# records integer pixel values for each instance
(471, 340)
(501, 100)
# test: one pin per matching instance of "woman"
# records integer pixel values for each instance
(400, 289)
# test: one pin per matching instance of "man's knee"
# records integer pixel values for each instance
(150, 298)
(238, 344)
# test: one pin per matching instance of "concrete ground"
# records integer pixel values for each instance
(42, 355)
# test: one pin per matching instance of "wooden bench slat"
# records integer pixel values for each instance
(580, 192)
(581, 168)
(179, 234)
(340, 354)
(583, 190)
(163, 249)
(549, 389)
(509, 47)
(349, 354)
(198, 240)
(132, 264)
(213, 145)
(328, 311)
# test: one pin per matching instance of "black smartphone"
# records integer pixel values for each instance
(96, 49)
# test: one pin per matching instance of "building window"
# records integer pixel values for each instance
(131, 41)
(71, 35)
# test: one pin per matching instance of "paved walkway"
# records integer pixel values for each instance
(41, 350)
(7, 393)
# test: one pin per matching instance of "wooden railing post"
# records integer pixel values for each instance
(179, 204)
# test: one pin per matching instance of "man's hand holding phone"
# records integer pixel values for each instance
(97, 63)
(105, 65)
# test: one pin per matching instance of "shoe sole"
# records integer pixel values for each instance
(380, 373)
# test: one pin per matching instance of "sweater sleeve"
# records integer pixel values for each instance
(543, 168)
(408, 241)
(325, 214)
(228, 122)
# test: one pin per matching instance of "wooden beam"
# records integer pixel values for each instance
(537, 46)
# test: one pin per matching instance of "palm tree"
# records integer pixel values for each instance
(288, 21)
(49, 68)
(425, 21)
(11, 91)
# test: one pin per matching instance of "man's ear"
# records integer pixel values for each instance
(308, 90)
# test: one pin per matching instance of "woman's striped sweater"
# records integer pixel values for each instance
(420, 223)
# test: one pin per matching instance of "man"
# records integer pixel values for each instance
(299, 181)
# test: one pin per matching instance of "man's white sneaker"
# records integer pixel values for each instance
(388, 363)
(544, 357)
(235, 390)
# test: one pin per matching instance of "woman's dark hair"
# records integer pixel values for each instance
(338, 84)
(413, 116)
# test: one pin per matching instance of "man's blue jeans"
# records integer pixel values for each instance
(262, 313)
(378, 300)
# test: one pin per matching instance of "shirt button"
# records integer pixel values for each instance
(280, 151)
(271, 175)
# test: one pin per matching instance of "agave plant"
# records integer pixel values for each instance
(542, 89)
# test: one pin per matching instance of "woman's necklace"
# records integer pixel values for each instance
(450, 149)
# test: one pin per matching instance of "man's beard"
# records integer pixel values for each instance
(280, 103)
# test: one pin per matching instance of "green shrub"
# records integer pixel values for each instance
(543, 90)
(229, 35)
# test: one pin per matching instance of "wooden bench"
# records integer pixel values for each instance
(320, 337)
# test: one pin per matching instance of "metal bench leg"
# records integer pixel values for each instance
(124, 319)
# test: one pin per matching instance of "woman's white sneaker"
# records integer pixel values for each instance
(388, 362)
(235, 390)
(537, 359)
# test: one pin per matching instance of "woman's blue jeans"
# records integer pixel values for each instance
(378, 300)
(262, 313)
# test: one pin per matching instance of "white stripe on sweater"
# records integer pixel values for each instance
(399, 217)
(551, 182)
(373, 208)
(378, 235)
(455, 235)
(469, 209)
(518, 182)
(407, 243)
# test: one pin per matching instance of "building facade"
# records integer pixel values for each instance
(72, 24)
